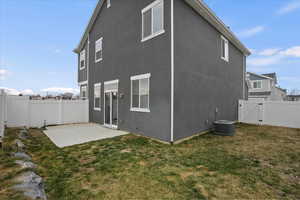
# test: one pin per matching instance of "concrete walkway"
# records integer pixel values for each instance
(68, 135)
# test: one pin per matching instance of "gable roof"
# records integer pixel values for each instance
(272, 75)
(198, 5)
(203, 10)
(262, 76)
(89, 26)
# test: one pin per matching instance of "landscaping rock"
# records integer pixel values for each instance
(26, 164)
(22, 155)
(23, 134)
(126, 151)
(20, 145)
(32, 186)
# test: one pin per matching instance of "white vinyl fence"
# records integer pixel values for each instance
(21, 111)
(274, 113)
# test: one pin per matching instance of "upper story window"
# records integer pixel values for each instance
(153, 20)
(224, 49)
(82, 60)
(108, 3)
(257, 84)
(140, 93)
(97, 96)
(98, 50)
(83, 91)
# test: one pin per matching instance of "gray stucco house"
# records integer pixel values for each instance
(165, 69)
(264, 87)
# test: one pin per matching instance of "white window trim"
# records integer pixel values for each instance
(226, 58)
(111, 82)
(95, 108)
(84, 59)
(142, 76)
(83, 83)
(140, 110)
(256, 82)
(98, 60)
(153, 35)
(108, 3)
(139, 77)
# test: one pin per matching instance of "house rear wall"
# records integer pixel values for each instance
(124, 55)
(203, 81)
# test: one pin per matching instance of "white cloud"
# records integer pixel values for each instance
(61, 90)
(3, 73)
(290, 7)
(264, 61)
(252, 31)
(273, 56)
(269, 52)
(27, 92)
(293, 52)
(12, 91)
(293, 79)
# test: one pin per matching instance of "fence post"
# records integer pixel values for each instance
(2, 113)
(60, 112)
(261, 113)
(28, 113)
(87, 111)
(240, 110)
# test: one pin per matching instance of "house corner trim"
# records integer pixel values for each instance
(172, 71)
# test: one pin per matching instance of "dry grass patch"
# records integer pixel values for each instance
(260, 162)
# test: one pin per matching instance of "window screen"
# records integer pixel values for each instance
(140, 92)
(97, 96)
(82, 59)
(153, 19)
(98, 50)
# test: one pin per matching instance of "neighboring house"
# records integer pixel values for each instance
(165, 69)
(264, 87)
(292, 97)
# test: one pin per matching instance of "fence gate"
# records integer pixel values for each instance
(251, 112)
(275, 113)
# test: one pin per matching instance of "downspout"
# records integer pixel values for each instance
(244, 76)
(172, 71)
(87, 75)
(88, 63)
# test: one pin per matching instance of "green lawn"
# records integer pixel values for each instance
(260, 162)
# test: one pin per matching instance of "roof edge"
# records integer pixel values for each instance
(201, 8)
(198, 5)
(260, 75)
(89, 26)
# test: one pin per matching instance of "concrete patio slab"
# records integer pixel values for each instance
(68, 135)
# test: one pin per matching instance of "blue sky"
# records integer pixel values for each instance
(37, 38)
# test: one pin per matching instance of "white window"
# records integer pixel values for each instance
(257, 84)
(140, 93)
(98, 50)
(108, 3)
(82, 60)
(83, 91)
(97, 96)
(224, 49)
(153, 20)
